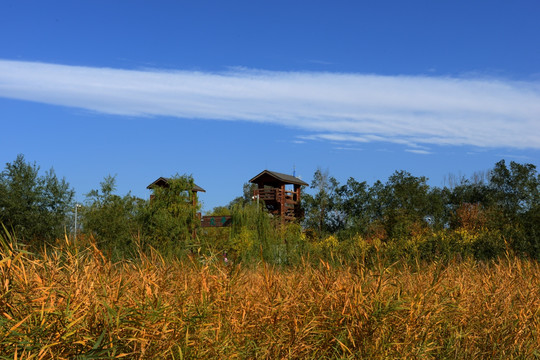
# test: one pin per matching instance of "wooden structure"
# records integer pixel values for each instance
(279, 192)
(216, 221)
(274, 189)
(205, 221)
(164, 182)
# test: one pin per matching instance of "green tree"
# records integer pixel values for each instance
(170, 218)
(322, 210)
(247, 196)
(110, 218)
(403, 202)
(515, 191)
(466, 192)
(35, 207)
(353, 200)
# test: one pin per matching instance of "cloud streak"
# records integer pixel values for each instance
(343, 107)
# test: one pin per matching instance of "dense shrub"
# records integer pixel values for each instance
(75, 303)
(35, 207)
(112, 219)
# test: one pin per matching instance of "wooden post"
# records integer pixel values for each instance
(282, 207)
(194, 215)
(297, 191)
(297, 200)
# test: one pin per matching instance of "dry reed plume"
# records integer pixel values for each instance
(77, 304)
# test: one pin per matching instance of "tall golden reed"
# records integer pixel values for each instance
(69, 303)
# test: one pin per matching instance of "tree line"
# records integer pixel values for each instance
(502, 205)
(484, 216)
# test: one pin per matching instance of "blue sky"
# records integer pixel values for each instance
(223, 90)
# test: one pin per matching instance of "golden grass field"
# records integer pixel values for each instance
(77, 304)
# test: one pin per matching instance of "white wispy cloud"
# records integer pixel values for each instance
(409, 110)
(348, 148)
(419, 151)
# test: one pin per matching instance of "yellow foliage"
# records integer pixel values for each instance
(74, 303)
(243, 242)
(361, 242)
(329, 243)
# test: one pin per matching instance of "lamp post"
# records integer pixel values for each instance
(256, 197)
(75, 227)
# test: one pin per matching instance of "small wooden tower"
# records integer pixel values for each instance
(164, 182)
(280, 199)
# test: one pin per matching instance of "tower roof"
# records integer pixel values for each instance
(164, 182)
(268, 176)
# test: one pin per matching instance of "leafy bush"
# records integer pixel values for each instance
(75, 303)
(169, 219)
(35, 207)
(112, 219)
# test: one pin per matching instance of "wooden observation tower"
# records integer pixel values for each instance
(280, 193)
(164, 182)
(204, 221)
